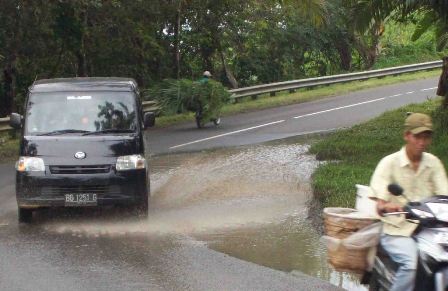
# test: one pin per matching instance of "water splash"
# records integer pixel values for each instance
(250, 203)
(210, 191)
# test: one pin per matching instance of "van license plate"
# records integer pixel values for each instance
(88, 199)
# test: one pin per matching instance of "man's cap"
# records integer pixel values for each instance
(417, 123)
(207, 74)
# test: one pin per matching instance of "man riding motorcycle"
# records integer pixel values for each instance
(206, 100)
(421, 175)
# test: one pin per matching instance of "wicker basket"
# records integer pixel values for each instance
(341, 223)
(344, 259)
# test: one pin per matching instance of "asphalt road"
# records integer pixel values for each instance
(35, 257)
(35, 260)
(286, 121)
(59, 251)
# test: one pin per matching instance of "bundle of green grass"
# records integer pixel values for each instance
(179, 96)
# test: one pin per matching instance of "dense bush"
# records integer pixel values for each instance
(397, 47)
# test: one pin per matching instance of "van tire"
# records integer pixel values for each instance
(25, 215)
(142, 209)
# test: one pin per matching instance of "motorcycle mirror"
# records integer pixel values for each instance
(395, 189)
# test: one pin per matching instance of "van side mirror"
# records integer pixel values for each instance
(149, 119)
(15, 121)
(395, 189)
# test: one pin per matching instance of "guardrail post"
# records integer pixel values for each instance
(272, 94)
(292, 91)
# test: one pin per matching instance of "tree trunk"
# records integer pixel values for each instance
(345, 55)
(81, 72)
(233, 82)
(370, 50)
(81, 53)
(442, 89)
(177, 40)
(368, 53)
(7, 105)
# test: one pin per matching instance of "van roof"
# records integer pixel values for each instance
(84, 84)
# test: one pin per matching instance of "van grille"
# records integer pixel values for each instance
(91, 169)
(82, 189)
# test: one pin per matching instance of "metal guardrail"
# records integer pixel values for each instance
(4, 124)
(327, 80)
(273, 88)
(150, 106)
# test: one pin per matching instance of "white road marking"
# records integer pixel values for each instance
(297, 117)
(339, 108)
(356, 104)
(428, 89)
(229, 133)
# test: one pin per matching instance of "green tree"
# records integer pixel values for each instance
(242, 43)
(26, 42)
(428, 14)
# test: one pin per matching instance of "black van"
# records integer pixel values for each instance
(82, 146)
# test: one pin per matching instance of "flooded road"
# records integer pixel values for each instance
(203, 192)
(249, 203)
(257, 202)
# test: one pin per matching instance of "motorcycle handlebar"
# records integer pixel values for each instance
(395, 213)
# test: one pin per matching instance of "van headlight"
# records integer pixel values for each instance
(130, 163)
(30, 164)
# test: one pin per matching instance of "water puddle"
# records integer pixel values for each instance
(291, 246)
(248, 202)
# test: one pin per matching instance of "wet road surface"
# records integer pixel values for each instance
(288, 121)
(226, 219)
(231, 219)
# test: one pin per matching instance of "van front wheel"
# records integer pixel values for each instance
(25, 215)
(142, 209)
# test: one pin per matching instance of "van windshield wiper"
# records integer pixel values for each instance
(64, 131)
(110, 130)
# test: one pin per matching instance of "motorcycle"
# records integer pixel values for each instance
(432, 243)
(200, 122)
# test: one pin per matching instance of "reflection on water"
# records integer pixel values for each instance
(292, 245)
(249, 202)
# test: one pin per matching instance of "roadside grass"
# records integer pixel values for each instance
(351, 155)
(300, 96)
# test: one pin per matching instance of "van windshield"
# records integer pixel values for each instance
(80, 112)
